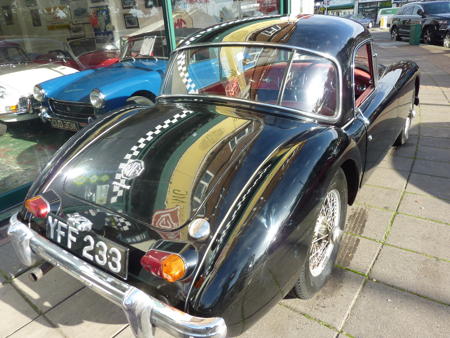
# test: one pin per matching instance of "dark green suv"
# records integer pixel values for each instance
(433, 16)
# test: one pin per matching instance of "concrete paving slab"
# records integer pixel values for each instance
(38, 328)
(413, 272)
(434, 131)
(53, 288)
(432, 168)
(15, 312)
(279, 322)
(368, 222)
(333, 302)
(127, 333)
(435, 142)
(357, 253)
(435, 113)
(396, 162)
(434, 96)
(433, 154)
(389, 178)
(284, 322)
(9, 263)
(430, 185)
(85, 313)
(420, 235)
(426, 207)
(382, 311)
(408, 149)
(378, 197)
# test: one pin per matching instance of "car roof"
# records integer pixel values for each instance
(331, 35)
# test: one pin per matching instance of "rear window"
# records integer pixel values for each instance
(276, 76)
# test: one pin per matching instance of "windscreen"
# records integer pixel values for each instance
(269, 75)
(151, 46)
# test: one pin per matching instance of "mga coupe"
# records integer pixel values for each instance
(199, 214)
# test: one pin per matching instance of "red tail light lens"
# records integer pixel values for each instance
(38, 206)
(151, 261)
(168, 266)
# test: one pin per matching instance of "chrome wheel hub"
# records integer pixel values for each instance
(327, 233)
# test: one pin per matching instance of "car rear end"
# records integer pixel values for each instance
(82, 216)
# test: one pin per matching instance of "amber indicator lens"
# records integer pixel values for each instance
(173, 268)
(38, 206)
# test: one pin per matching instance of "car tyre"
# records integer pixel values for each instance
(140, 100)
(395, 36)
(325, 240)
(447, 40)
(427, 37)
(404, 135)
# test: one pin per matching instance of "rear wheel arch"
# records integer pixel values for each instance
(352, 175)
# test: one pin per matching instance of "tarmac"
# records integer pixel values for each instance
(392, 277)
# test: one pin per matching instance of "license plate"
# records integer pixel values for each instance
(87, 244)
(64, 124)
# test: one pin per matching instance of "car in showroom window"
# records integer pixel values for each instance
(232, 190)
(71, 102)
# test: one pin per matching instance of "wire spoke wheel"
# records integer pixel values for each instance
(326, 232)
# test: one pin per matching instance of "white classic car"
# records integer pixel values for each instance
(16, 88)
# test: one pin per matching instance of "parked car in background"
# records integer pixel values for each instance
(16, 88)
(366, 22)
(80, 54)
(71, 102)
(385, 16)
(433, 16)
(11, 53)
(199, 214)
(27, 62)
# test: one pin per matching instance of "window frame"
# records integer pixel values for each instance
(357, 102)
(329, 119)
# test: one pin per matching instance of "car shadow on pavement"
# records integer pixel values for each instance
(429, 147)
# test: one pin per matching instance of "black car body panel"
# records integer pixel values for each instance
(257, 173)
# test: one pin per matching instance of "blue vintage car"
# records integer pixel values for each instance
(71, 102)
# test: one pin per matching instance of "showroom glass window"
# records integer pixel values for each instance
(200, 14)
(42, 40)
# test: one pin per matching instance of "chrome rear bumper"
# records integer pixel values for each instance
(143, 311)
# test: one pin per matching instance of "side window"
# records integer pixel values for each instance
(363, 77)
(408, 10)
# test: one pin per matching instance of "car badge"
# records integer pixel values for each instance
(68, 109)
(133, 169)
(79, 222)
(167, 219)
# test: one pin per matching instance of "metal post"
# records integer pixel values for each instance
(169, 29)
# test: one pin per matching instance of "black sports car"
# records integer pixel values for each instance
(199, 214)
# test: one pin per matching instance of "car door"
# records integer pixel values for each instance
(381, 118)
(405, 21)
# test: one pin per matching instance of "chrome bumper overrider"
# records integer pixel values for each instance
(143, 311)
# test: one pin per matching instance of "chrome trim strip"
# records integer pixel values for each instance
(143, 312)
(332, 119)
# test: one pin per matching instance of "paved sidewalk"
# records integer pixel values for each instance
(393, 272)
